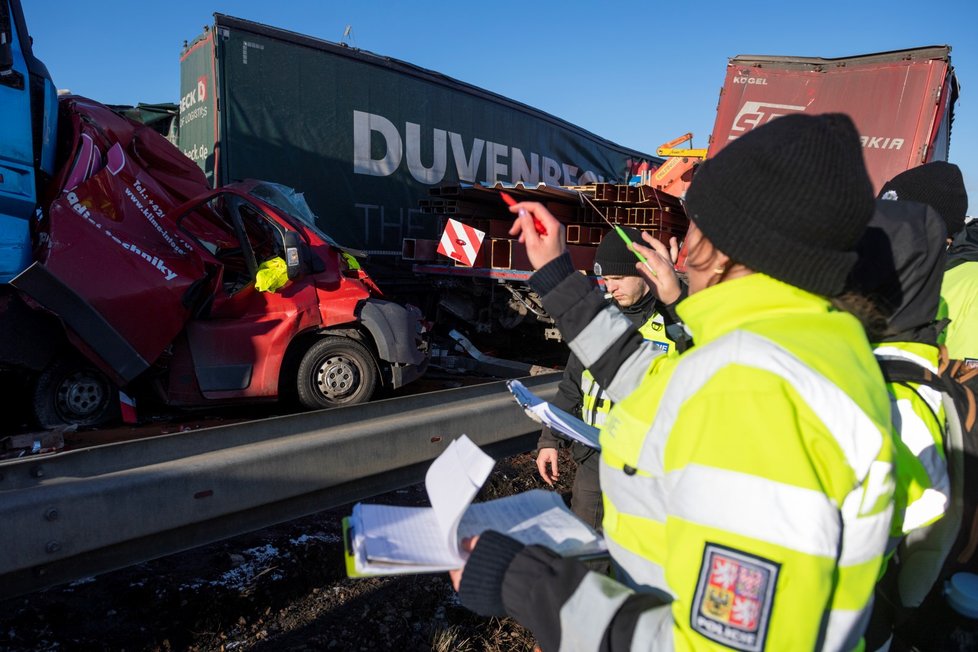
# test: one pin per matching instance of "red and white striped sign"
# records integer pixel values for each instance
(461, 242)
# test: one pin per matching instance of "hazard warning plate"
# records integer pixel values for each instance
(461, 242)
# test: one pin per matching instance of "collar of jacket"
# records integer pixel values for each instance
(964, 248)
(640, 311)
(718, 310)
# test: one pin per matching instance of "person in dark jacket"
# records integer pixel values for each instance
(901, 264)
(940, 185)
(580, 394)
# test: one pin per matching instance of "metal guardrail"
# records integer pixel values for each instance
(85, 512)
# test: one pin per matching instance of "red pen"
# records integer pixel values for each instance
(537, 224)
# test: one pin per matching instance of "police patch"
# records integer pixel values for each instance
(733, 598)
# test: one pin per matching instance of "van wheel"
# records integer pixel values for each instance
(70, 392)
(336, 371)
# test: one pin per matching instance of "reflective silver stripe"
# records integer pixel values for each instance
(588, 612)
(593, 411)
(653, 630)
(926, 509)
(791, 517)
(598, 336)
(599, 418)
(845, 628)
(785, 515)
(930, 395)
(896, 352)
(632, 371)
(914, 431)
(637, 572)
(587, 382)
(638, 495)
(864, 537)
(859, 438)
(919, 439)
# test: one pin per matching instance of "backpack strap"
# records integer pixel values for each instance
(905, 372)
(898, 370)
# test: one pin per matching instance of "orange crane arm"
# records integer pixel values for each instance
(670, 149)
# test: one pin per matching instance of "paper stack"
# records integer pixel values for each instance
(390, 540)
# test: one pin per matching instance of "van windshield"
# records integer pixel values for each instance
(290, 202)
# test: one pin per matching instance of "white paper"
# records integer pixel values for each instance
(452, 482)
(558, 420)
(533, 517)
(390, 539)
(405, 535)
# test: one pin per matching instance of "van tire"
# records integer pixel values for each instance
(336, 371)
(71, 392)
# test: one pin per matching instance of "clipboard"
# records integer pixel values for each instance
(349, 558)
(558, 420)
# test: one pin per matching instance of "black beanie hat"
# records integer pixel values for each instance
(938, 184)
(790, 199)
(613, 257)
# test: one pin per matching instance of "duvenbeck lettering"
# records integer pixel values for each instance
(498, 161)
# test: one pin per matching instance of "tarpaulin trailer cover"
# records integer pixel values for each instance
(365, 136)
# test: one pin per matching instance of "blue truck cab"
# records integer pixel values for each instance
(28, 124)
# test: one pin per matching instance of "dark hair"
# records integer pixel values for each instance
(700, 248)
(868, 312)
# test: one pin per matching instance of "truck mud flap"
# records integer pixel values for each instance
(115, 353)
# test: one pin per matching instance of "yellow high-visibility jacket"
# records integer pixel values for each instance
(959, 292)
(748, 482)
(923, 484)
(595, 403)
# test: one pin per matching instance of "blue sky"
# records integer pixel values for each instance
(637, 73)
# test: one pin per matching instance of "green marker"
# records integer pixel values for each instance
(628, 242)
(621, 234)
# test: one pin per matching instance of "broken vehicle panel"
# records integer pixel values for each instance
(191, 295)
(107, 239)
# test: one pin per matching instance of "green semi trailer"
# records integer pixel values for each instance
(365, 136)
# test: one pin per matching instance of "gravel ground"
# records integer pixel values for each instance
(282, 588)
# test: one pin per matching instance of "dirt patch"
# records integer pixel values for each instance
(282, 588)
